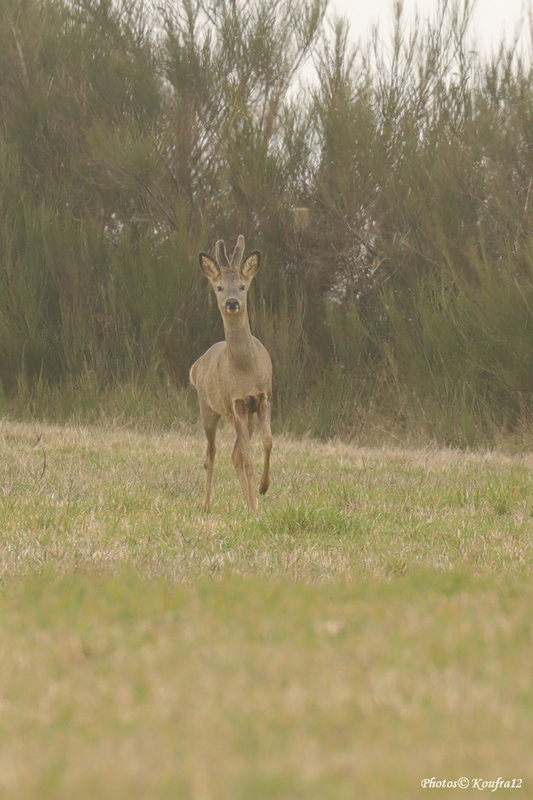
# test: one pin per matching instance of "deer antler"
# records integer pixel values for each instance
(236, 259)
(221, 255)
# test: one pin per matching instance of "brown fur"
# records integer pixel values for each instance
(233, 378)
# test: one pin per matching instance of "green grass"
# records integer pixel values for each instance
(370, 628)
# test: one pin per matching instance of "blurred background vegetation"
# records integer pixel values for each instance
(391, 197)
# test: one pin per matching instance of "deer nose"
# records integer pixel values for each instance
(232, 305)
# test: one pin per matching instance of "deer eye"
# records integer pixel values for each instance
(242, 288)
(220, 288)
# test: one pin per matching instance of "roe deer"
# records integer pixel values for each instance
(234, 378)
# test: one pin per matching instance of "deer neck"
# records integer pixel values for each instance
(239, 341)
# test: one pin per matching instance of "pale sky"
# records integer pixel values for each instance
(491, 18)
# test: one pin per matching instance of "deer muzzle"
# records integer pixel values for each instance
(232, 305)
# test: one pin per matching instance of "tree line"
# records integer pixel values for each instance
(390, 195)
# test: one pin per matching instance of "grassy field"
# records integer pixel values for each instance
(370, 628)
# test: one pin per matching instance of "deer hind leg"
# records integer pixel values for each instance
(241, 456)
(236, 458)
(263, 412)
(210, 421)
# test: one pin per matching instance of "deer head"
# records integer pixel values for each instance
(230, 279)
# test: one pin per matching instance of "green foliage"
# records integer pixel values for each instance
(132, 137)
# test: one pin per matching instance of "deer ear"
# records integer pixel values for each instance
(251, 265)
(209, 267)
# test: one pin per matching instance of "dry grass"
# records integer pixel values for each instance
(370, 628)
(96, 498)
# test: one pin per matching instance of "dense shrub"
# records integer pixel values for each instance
(132, 136)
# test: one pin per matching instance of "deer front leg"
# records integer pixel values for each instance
(242, 456)
(263, 412)
(210, 421)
